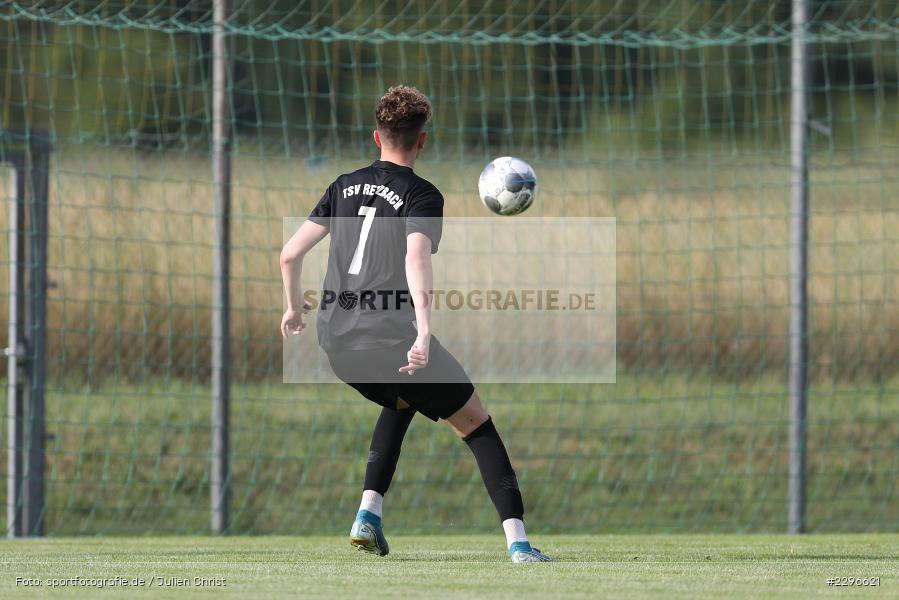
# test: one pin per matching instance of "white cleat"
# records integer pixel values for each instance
(522, 552)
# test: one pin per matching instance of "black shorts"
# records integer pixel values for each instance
(437, 391)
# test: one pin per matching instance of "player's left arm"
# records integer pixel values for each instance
(306, 237)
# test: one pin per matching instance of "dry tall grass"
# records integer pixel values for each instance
(702, 267)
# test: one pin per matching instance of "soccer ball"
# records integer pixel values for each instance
(507, 185)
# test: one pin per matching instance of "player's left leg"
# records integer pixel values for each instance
(384, 452)
(475, 427)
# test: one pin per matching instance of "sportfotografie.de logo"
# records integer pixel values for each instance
(454, 299)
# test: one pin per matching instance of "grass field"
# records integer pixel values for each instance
(692, 566)
(648, 454)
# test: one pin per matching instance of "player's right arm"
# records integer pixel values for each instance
(420, 276)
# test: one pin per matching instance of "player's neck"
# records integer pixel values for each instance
(404, 159)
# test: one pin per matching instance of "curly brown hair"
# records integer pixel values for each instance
(401, 114)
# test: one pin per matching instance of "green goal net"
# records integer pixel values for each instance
(671, 116)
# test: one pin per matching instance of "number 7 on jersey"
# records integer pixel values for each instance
(369, 213)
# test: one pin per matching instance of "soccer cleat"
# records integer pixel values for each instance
(366, 534)
(521, 552)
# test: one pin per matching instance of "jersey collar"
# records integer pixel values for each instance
(386, 164)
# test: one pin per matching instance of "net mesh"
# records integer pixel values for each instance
(670, 115)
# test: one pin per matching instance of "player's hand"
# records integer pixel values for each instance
(417, 355)
(292, 321)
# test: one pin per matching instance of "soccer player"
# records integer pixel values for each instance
(374, 317)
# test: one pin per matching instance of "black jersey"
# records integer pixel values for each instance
(365, 301)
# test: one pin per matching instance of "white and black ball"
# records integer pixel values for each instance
(507, 185)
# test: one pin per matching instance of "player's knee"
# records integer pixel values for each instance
(468, 418)
(475, 420)
(475, 411)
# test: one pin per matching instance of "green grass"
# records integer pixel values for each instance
(693, 566)
(702, 268)
(691, 439)
(672, 454)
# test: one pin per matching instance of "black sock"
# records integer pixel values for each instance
(496, 470)
(384, 452)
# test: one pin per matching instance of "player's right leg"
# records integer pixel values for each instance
(475, 427)
(367, 532)
(370, 374)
